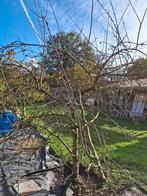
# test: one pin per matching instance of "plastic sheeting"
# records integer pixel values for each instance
(7, 120)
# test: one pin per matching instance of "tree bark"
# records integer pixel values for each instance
(75, 154)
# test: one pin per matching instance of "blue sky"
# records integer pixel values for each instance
(13, 23)
(15, 26)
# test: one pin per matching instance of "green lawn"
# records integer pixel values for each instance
(125, 140)
(127, 144)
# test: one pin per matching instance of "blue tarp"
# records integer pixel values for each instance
(7, 120)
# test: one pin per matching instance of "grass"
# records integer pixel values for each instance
(125, 140)
(131, 150)
(127, 146)
(36, 108)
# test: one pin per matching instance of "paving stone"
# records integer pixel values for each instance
(27, 187)
(52, 164)
(69, 192)
(131, 191)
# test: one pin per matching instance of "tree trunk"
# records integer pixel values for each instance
(75, 154)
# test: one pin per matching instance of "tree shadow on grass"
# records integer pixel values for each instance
(123, 123)
(133, 155)
(110, 137)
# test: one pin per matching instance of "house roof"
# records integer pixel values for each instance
(141, 83)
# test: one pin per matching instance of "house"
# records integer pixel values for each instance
(138, 104)
(127, 98)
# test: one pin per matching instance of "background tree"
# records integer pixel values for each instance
(138, 70)
(82, 79)
(71, 48)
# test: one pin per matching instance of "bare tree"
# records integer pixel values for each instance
(56, 89)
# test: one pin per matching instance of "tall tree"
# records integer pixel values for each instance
(138, 70)
(67, 49)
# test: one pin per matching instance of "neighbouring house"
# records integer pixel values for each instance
(137, 90)
(127, 98)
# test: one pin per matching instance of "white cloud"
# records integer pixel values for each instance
(80, 10)
(30, 20)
